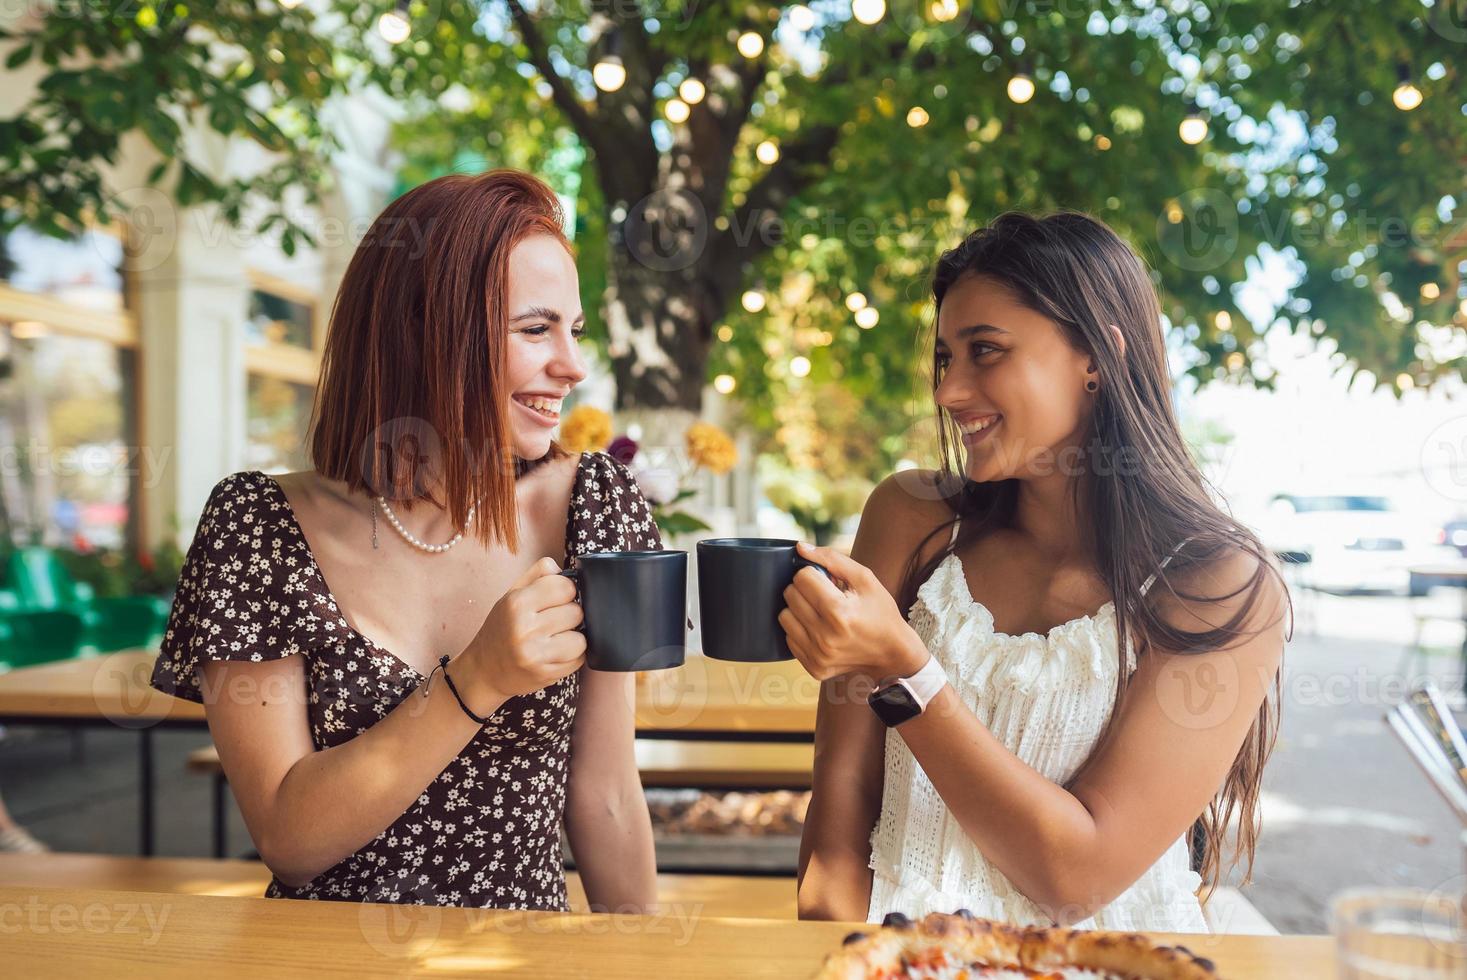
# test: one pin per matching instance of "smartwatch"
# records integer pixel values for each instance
(904, 698)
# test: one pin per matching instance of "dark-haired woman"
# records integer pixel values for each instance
(389, 662)
(1090, 655)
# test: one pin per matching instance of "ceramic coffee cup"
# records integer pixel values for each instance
(741, 583)
(634, 608)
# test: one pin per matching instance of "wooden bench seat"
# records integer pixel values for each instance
(722, 895)
(664, 764)
(673, 764)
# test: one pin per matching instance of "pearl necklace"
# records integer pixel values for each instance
(408, 536)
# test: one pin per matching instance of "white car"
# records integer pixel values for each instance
(1351, 542)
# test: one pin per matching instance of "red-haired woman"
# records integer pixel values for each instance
(418, 730)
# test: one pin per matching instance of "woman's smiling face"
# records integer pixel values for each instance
(545, 327)
(1010, 379)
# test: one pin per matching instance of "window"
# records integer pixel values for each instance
(84, 272)
(70, 462)
(282, 355)
(66, 425)
(275, 319)
(279, 412)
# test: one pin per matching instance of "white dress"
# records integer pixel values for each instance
(1047, 699)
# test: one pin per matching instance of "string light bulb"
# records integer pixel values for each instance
(676, 110)
(1193, 128)
(767, 152)
(724, 384)
(1021, 88)
(1406, 96)
(868, 12)
(753, 300)
(867, 317)
(802, 18)
(750, 44)
(394, 25)
(917, 117)
(692, 91)
(609, 74)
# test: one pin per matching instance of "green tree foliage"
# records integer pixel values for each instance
(894, 139)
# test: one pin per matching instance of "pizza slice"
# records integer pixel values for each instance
(962, 946)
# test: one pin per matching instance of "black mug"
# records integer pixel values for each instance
(633, 608)
(741, 583)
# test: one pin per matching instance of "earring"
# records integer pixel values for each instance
(1092, 385)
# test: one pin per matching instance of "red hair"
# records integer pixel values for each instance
(416, 351)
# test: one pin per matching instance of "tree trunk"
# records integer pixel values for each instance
(658, 316)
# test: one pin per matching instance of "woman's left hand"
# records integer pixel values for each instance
(855, 629)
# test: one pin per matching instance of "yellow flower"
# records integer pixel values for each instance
(710, 446)
(585, 429)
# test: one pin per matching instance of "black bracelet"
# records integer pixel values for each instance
(443, 665)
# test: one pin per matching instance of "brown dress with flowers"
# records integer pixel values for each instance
(484, 833)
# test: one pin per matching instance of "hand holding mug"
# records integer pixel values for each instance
(528, 641)
(834, 630)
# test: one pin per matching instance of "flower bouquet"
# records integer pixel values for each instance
(660, 475)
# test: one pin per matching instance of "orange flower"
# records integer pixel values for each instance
(710, 446)
(585, 429)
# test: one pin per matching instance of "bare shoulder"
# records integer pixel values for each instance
(563, 471)
(545, 492)
(899, 517)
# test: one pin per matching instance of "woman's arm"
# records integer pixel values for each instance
(835, 847)
(606, 815)
(1073, 849)
(284, 786)
(286, 789)
(834, 879)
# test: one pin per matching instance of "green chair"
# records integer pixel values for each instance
(39, 637)
(39, 582)
(127, 622)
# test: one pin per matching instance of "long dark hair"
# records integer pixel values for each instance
(1148, 500)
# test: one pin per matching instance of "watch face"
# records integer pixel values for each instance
(894, 705)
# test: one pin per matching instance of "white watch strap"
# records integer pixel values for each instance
(927, 682)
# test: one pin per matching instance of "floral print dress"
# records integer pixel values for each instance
(486, 832)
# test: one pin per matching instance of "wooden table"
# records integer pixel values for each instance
(108, 691)
(728, 702)
(704, 699)
(63, 932)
